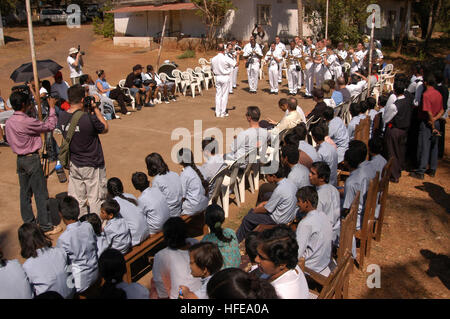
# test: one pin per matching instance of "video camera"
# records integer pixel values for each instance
(87, 104)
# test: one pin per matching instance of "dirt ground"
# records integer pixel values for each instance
(413, 254)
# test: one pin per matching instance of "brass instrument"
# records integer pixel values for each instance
(302, 60)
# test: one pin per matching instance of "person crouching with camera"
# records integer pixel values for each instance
(23, 134)
(87, 172)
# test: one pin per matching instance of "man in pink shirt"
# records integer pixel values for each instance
(23, 134)
(429, 114)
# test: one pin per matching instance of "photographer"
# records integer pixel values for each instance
(23, 133)
(87, 172)
(75, 62)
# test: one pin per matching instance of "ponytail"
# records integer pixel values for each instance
(214, 217)
(186, 158)
(204, 182)
(115, 188)
(109, 290)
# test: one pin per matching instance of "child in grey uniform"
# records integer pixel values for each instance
(14, 281)
(96, 223)
(116, 229)
(46, 266)
(80, 243)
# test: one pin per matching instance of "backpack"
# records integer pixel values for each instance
(64, 149)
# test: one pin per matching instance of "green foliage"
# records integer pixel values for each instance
(187, 54)
(213, 13)
(346, 18)
(105, 27)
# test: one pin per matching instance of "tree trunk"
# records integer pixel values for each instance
(403, 29)
(434, 14)
(300, 17)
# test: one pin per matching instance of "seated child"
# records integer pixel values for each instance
(205, 261)
(96, 223)
(116, 229)
(80, 243)
(152, 202)
(327, 152)
(45, 266)
(129, 210)
(112, 268)
(314, 232)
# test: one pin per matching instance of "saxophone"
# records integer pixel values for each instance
(302, 60)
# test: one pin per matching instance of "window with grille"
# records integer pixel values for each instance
(264, 14)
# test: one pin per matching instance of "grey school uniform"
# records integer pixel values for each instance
(328, 154)
(372, 114)
(299, 175)
(314, 237)
(309, 150)
(134, 290)
(80, 244)
(358, 180)
(102, 244)
(352, 125)
(155, 209)
(49, 271)
(282, 205)
(14, 283)
(339, 134)
(170, 185)
(330, 204)
(118, 234)
(135, 219)
(248, 140)
(194, 196)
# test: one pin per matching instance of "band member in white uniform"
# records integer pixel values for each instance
(300, 47)
(238, 51)
(319, 67)
(292, 61)
(341, 54)
(222, 66)
(273, 58)
(282, 49)
(309, 72)
(232, 54)
(253, 54)
(357, 57)
(332, 65)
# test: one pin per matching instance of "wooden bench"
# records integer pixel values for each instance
(365, 233)
(262, 227)
(142, 255)
(362, 132)
(382, 198)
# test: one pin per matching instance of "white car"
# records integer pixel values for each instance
(51, 16)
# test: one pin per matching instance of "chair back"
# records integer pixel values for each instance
(176, 74)
(186, 77)
(337, 283)
(163, 77)
(382, 198)
(362, 131)
(122, 83)
(348, 227)
(216, 183)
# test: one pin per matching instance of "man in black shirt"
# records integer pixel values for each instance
(138, 90)
(320, 106)
(87, 172)
(396, 134)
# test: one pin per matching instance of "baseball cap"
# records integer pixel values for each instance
(73, 51)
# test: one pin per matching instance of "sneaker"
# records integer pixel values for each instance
(416, 175)
(166, 100)
(139, 107)
(54, 231)
(4, 143)
(149, 105)
(117, 117)
(173, 98)
(225, 115)
(128, 113)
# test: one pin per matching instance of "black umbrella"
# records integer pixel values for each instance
(45, 68)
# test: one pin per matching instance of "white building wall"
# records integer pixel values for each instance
(2, 38)
(192, 24)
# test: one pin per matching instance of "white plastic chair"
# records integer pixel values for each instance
(179, 82)
(203, 62)
(192, 82)
(209, 75)
(230, 182)
(128, 93)
(220, 190)
(252, 163)
(202, 75)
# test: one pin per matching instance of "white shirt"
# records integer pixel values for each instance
(292, 285)
(274, 54)
(248, 51)
(343, 54)
(356, 89)
(293, 54)
(222, 64)
(357, 65)
(390, 110)
(280, 47)
(74, 71)
(147, 76)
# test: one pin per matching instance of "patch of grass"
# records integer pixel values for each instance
(187, 54)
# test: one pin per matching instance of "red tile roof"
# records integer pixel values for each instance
(164, 7)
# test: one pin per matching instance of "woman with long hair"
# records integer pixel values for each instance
(129, 210)
(168, 182)
(195, 187)
(105, 89)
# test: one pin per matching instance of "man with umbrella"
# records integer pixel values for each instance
(23, 134)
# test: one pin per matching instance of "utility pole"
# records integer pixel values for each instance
(300, 17)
